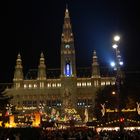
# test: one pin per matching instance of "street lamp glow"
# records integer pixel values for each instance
(113, 92)
(112, 64)
(116, 38)
(115, 46)
(121, 63)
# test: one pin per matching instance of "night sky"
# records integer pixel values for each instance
(30, 27)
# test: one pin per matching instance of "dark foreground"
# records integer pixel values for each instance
(69, 134)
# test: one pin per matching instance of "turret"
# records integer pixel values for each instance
(95, 66)
(18, 74)
(42, 71)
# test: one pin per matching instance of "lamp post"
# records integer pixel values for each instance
(117, 66)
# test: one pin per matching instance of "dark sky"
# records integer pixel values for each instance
(30, 27)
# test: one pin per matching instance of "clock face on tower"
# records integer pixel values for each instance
(67, 46)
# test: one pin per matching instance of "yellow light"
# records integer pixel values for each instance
(37, 120)
(0, 123)
(113, 93)
(6, 125)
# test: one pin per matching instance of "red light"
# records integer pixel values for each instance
(121, 119)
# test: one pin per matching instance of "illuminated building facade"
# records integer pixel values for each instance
(67, 91)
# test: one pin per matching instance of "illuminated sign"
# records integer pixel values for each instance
(123, 110)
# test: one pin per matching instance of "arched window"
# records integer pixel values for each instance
(68, 69)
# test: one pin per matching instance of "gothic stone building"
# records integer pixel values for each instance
(67, 91)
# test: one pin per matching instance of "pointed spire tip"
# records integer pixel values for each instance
(41, 55)
(66, 12)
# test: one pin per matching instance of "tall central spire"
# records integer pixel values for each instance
(68, 65)
(67, 35)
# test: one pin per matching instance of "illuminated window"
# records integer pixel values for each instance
(79, 84)
(54, 85)
(65, 52)
(88, 83)
(30, 86)
(102, 83)
(35, 85)
(84, 102)
(58, 84)
(25, 86)
(69, 52)
(112, 83)
(95, 84)
(49, 85)
(107, 83)
(84, 84)
(41, 84)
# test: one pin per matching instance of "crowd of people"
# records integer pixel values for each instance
(67, 134)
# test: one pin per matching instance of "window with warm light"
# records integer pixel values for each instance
(83, 84)
(79, 84)
(107, 82)
(88, 83)
(102, 83)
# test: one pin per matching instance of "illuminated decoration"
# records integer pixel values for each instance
(70, 111)
(138, 108)
(41, 108)
(68, 70)
(8, 108)
(122, 120)
(6, 125)
(103, 109)
(0, 123)
(86, 115)
(57, 115)
(65, 118)
(11, 123)
(71, 114)
(37, 120)
(123, 110)
(67, 46)
(53, 113)
(26, 108)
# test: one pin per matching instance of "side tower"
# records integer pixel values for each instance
(41, 71)
(95, 66)
(95, 70)
(68, 65)
(18, 74)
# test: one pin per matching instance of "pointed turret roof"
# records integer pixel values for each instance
(67, 12)
(19, 61)
(42, 68)
(42, 60)
(95, 58)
